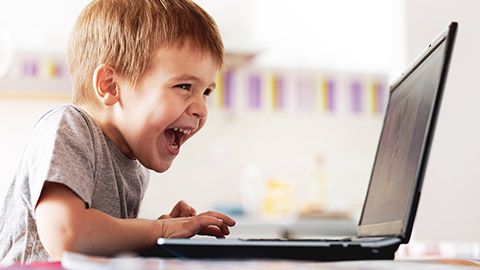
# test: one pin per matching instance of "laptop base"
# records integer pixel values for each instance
(330, 252)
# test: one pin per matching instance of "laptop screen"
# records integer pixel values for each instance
(403, 147)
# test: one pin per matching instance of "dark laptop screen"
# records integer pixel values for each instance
(401, 146)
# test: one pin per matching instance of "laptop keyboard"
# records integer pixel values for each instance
(300, 239)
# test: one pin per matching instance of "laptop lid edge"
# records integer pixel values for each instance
(390, 229)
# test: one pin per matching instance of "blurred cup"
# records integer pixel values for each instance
(6, 52)
(278, 198)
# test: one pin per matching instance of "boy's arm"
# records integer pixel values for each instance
(65, 224)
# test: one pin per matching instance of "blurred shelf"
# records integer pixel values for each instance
(238, 59)
(35, 88)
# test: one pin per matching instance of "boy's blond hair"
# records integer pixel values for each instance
(126, 33)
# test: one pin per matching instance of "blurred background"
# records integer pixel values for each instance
(294, 124)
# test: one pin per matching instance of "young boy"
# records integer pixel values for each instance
(141, 71)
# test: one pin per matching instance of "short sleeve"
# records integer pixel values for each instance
(60, 149)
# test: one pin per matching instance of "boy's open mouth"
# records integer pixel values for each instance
(175, 136)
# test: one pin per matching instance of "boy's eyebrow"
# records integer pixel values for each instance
(188, 77)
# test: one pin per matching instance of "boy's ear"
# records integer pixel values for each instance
(105, 85)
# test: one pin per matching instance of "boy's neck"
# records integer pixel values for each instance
(105, 120)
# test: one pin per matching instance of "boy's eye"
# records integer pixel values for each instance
(207, 92)
(184, 86)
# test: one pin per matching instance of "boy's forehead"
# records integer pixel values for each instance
(187, 46)
(183, 63)
(192, 57)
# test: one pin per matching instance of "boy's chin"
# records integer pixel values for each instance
(159, 164)
(160, 168)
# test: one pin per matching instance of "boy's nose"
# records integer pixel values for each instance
(198, 108)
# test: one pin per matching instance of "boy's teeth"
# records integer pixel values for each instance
(184, 131)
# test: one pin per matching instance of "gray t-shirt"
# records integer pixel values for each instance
(67, 146)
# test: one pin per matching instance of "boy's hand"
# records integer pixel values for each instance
(65, 224)
(208, 223)
(181, 209)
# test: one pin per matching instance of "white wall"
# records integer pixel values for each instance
(450, 198)
(16, 119)
(42, 24)
(449, 204)
(341, 35)
(345, 35)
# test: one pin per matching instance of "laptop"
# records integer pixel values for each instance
(395, 185)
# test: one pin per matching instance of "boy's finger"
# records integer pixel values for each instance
(193, 212)
(224, 229)
(184, 211)
(212, 231)
(175, 211)
(181, 209)
(197, 223)
(226, 219)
